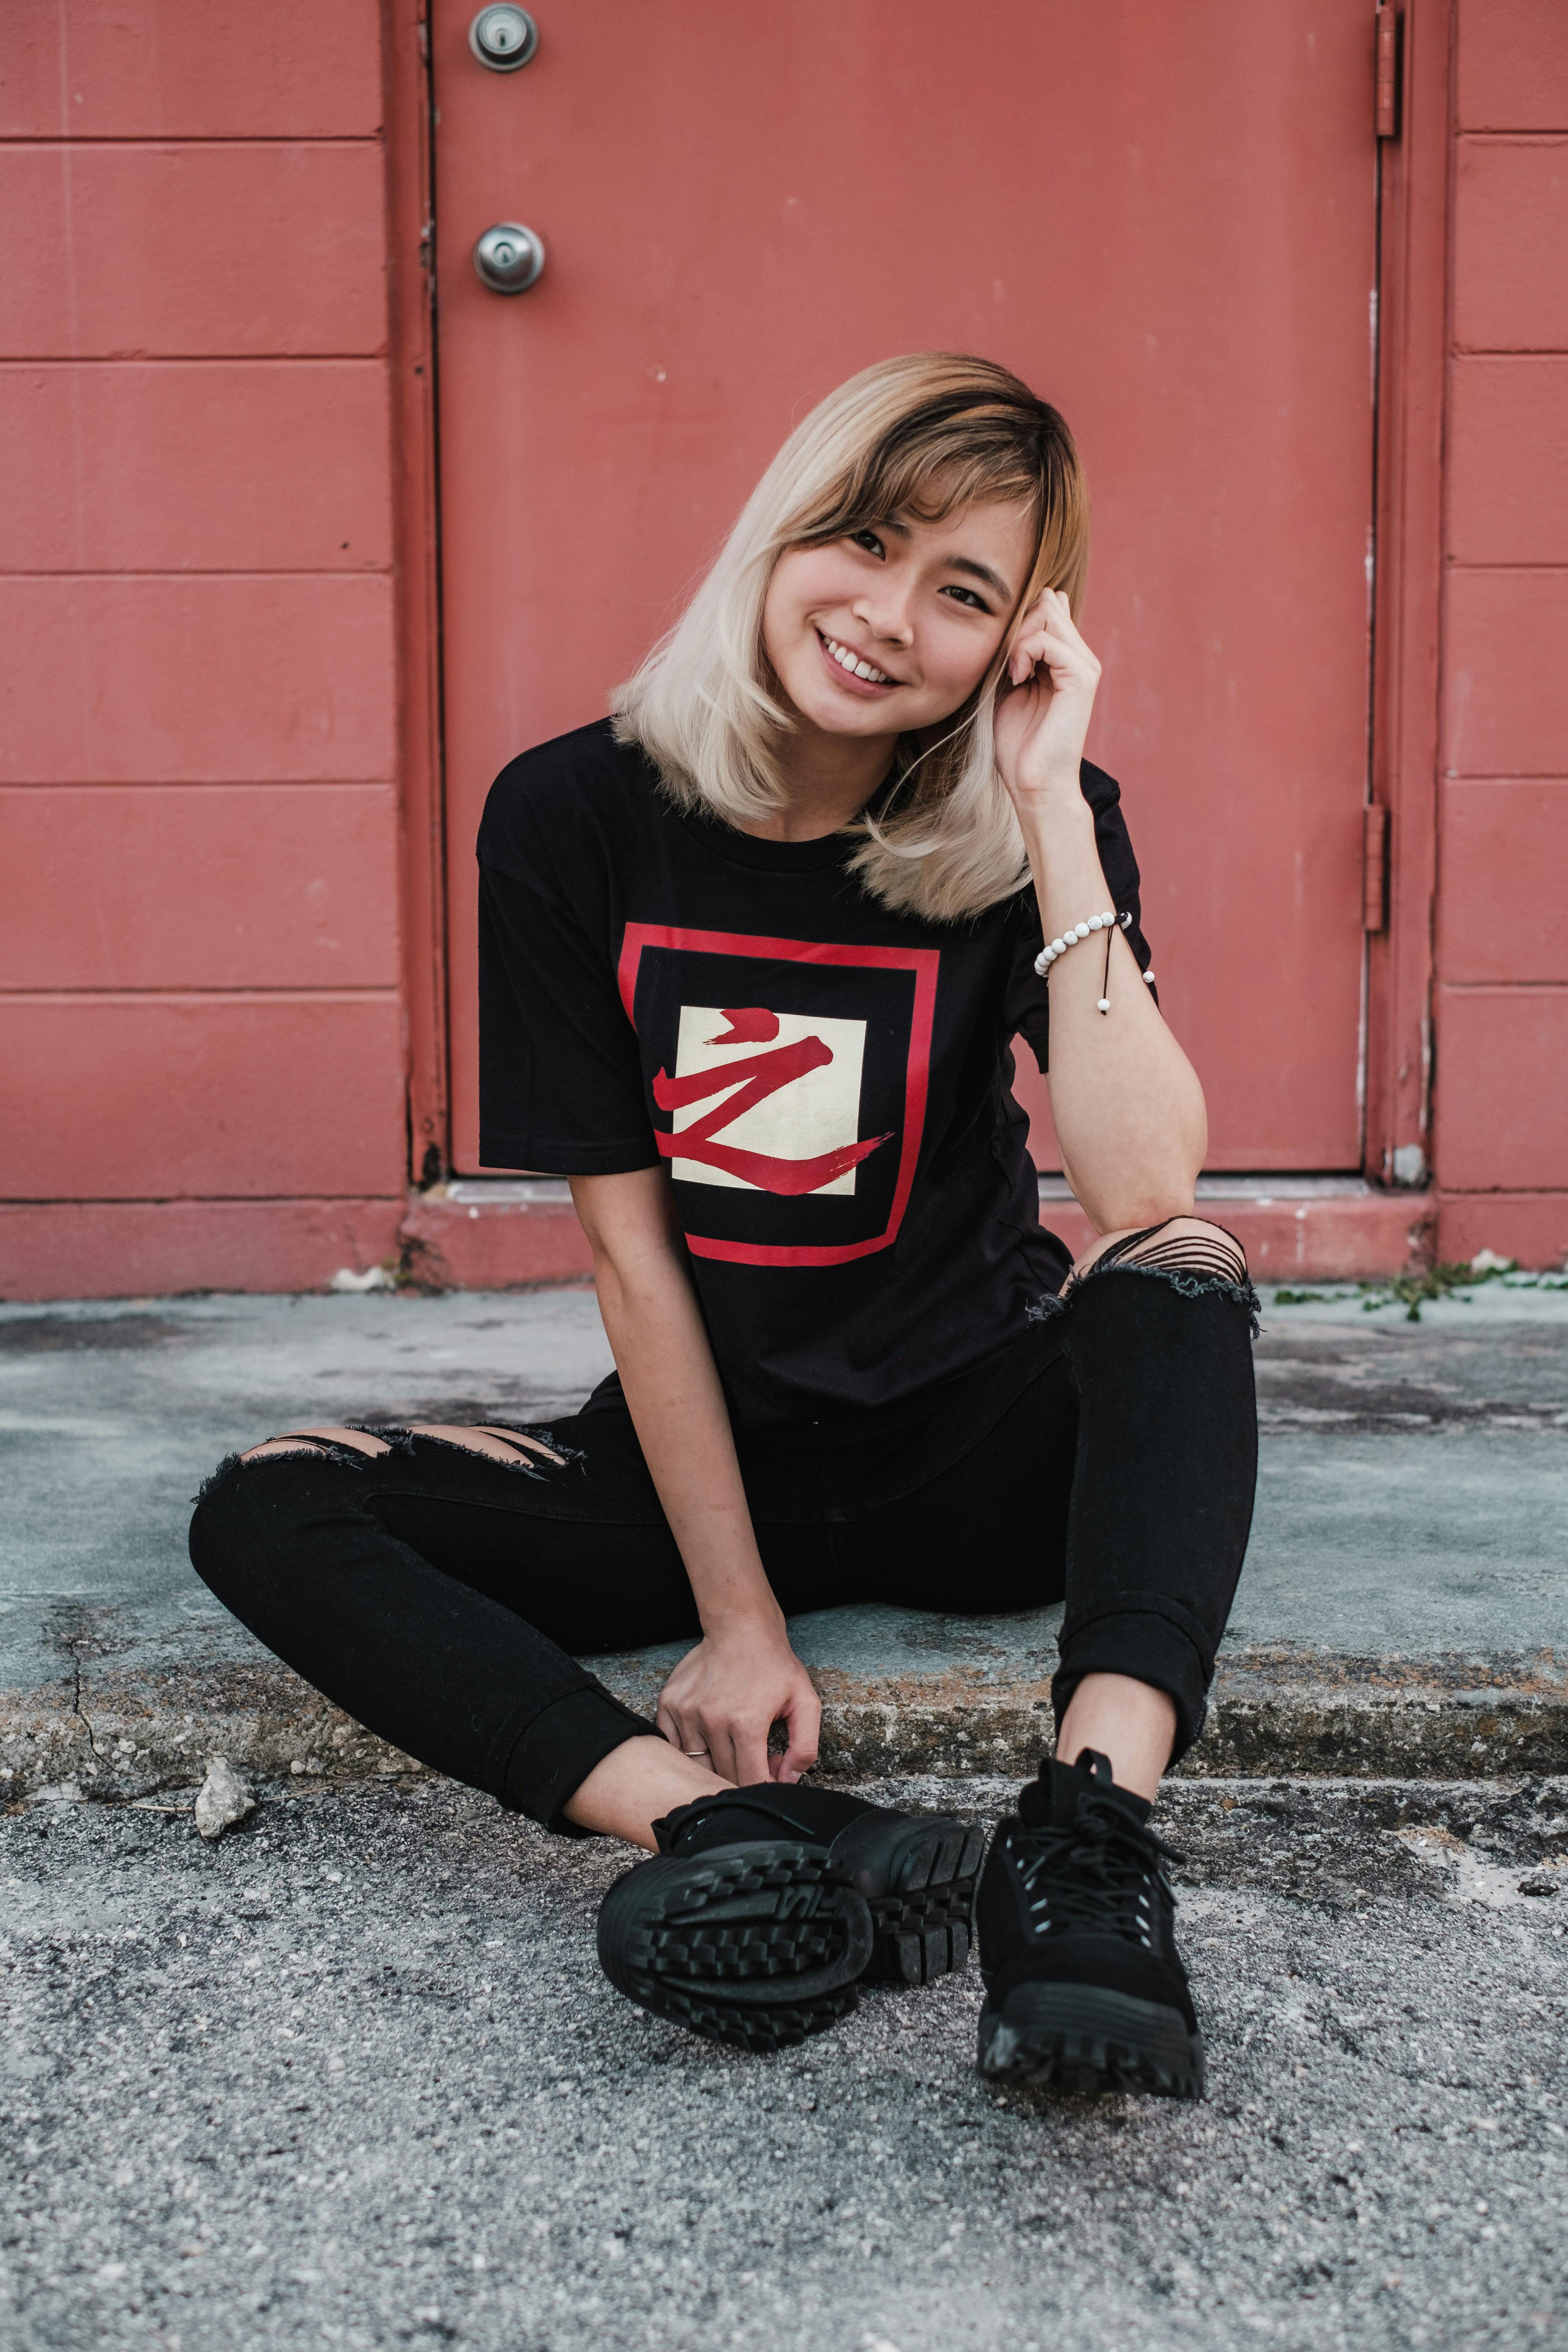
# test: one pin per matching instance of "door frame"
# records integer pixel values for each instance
(1413, 230)
(1413, 247)
(407, 131)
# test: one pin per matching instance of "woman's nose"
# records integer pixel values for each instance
(887, 616)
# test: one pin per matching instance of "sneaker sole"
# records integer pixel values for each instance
(923, 1913)
(759, 1945)
(1070, 2037)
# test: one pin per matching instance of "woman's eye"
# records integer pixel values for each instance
(869, 540)
(968, 596)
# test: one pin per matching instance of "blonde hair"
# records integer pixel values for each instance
(925, 434)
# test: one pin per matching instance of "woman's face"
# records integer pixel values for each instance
(918, 608)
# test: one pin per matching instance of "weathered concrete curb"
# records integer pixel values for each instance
(128, 1735)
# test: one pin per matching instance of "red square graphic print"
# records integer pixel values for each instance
(788, 1081)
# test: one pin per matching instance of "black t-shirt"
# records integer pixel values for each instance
(829, 1083)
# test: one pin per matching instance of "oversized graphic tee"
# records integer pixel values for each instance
(827, 1083)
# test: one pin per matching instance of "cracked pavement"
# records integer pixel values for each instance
(352, 2078)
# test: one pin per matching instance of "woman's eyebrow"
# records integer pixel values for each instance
(993, 580)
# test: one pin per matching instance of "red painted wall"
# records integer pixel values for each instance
(204, 999)
(202, 1035)
(1500, 1141)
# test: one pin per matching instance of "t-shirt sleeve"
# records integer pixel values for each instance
(561, 1088)
(1028, 1000)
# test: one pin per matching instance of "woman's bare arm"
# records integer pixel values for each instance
(742, 1676)
(1127, 1104)
(1128, 1109)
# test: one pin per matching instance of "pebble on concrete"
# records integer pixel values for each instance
(222, 1800)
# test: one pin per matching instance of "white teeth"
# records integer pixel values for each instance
(853, 664)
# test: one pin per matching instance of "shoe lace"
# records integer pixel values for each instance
(1098, 1871)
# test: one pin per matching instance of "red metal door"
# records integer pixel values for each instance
(1162, 217)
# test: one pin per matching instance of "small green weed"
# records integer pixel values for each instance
(1412, 1290)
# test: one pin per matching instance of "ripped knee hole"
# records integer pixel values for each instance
(1189, 1246)
(494, 1441)
(1192, 1255)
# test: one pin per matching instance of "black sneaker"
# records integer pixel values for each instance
(1084, 1988)
(765, 1907)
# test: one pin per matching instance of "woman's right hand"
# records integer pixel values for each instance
(727, 1693)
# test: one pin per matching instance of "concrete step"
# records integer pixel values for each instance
(1401, 1613)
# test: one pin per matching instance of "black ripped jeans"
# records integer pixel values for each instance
(444, 1598)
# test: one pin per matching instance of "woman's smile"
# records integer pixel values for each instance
(853, 669)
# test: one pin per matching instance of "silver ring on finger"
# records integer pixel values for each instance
(696, 1751)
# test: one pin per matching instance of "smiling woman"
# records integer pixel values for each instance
(751, 959)
(934, 492)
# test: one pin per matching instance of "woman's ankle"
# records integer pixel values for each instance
(1130, 1722)
(637, 1784)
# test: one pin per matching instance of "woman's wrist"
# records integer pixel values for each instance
(1064, 858)
(1055, 804)
(741, 1614)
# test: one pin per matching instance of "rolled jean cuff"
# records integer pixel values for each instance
(1152, 1639)
(543, 1766)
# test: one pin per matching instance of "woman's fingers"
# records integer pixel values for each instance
(685, 1731)
(1048, 632)
(803, 1723)
(1048, 649)
(738, 1752)
(722, 1701)
(668, 1723)
(749, 1749)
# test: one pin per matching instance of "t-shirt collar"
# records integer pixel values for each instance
(738, 848)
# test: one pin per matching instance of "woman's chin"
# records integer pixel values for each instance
(836, 714)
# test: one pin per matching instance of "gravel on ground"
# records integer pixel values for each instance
(350, 2076)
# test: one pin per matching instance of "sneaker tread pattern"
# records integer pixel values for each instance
(760, 1948)
(924, 1923)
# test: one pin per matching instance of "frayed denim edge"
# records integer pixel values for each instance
(571, 1456)
(1190, 1285)
(401, 1441)
(215, 1479)
(343, 1455)
(396, 1441)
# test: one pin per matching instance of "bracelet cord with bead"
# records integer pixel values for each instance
(1071, 937)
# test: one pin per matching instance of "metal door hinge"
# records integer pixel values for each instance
(1374, 867)
(1387, 22)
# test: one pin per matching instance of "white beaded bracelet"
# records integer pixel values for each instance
(1071, 937)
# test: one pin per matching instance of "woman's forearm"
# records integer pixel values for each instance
(661, 1349)
(1128, 1107)
(742, 1677)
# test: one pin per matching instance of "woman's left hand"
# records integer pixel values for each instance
(1043, 715)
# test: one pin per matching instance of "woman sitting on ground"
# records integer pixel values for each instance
(753, 956)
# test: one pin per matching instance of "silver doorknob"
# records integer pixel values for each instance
(508, 258)
(503, 38)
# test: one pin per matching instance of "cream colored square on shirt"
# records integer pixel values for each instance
(818, 1112)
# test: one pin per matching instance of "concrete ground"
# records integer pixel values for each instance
(1402, 1609)
(351, 2078)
